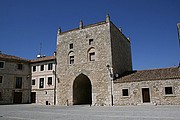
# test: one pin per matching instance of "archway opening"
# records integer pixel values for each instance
(82, 90)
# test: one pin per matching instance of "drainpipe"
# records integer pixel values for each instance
(54, 72)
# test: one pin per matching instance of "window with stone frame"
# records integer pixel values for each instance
(33, 82)
(42, 68)
(41, 83)
(71, 61)
(71, 46)
(18, 82)
(50, 66)
(1, 79)
(19, 66)
(125, 92)
(49, 81)
(91, 41)
(168, 90)
(2, 63)
(91, 54)
(71, 57)
(34, 68)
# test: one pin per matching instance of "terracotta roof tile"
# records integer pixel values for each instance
(11, 58)
(152, 74)
(42, 59)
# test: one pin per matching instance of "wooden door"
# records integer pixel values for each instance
(145, 95)
(33, 97)
(17, 98)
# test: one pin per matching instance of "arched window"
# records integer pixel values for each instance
(91, 54)
(71, 57)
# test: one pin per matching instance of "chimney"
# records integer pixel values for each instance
(120, 29)
(54, 53)
(81, 24)
(107, 18)
(59, 30)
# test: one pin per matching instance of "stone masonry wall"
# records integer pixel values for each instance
(121, 51)
(156, 89)
(96, 70)
(43, 96)
(7, 87)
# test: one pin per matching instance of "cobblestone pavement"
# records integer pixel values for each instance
(40, 112)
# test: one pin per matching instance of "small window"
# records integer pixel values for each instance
(49, 80)
(34, 68)
(41, 83)
(71, 46)
(71, 61)
(125, 92)
(18, 82)
(90, 41)
(1, 64)
(20, 66)
(1, 96)
(92, 56)
(1, 79)
(42, 68)
(50, 66)
(71, 57)
(33, 82)
(168, 90)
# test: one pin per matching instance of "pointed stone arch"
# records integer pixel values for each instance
(82, 90)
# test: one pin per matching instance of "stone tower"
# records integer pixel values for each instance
(82, 57)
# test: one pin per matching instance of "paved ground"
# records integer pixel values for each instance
(39, 112)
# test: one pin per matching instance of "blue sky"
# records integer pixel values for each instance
(150, 24)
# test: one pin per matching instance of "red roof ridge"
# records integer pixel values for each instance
(151, 74)
(41, 59)
(152, 69)
(12, 57)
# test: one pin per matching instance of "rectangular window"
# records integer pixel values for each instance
(49, 80)
(20, 66)
(71, 60)
(18, 82)
(125, 92)
(90, 41)
(50, 66)
(34, 68)
(1, 79)
(33, 82)
(1, 64)
(42, 68)
(71, 46)
(41, 83)
(92, 56)
(1, 96)
(168, 90)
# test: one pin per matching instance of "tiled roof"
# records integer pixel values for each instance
(11, 58)
(152, 74)
(42, 59)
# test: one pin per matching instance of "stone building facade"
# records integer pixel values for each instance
(43, 80)
(82, 58)
(93, 66)
(15, 75)
(156, 86)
